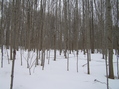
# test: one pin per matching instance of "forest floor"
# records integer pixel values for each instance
(55, 74)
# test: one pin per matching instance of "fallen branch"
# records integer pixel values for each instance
(95, 80)
(99, 81)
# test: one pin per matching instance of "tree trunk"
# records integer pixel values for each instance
(117, 39)
(1, 33)
(92, 29)
(88, 37)
(109, 37)
(106, 63)
(37, 57)
(12, 72)
(14, 23)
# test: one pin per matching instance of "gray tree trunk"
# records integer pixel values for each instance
(88, 37)
(14, 23)
(109, 37)
(1, 33)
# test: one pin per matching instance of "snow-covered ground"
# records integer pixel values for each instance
(55, 74)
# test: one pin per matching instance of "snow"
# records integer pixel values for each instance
(55, 74)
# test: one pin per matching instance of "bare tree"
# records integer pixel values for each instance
(88, 37)
(92, 28)
(109, 37)
(1, 33)
(14, 23)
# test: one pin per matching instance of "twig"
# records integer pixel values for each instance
(84, 65)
